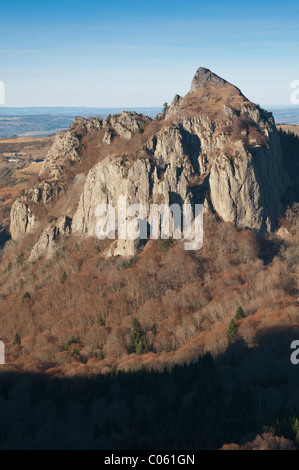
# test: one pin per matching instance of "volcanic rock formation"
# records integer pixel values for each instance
(212, 146)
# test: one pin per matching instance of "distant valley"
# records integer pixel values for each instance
(32, 126)
(285, 115)
(42, 122)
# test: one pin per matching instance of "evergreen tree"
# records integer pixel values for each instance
(165, 107)
(17, 340)
(138, 340)
(232, 331)
(239, 313)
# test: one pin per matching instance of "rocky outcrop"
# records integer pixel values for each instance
(67, 146)
(204, 76)
(48, 241)
(22, 220)
(45, 192)
(163, 176)
(214, 147)
(188, 163)
(128, 123)
(108, 137)
(245, 189)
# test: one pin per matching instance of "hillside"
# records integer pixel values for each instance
(79, 306)
(214, 147)
(20, 164)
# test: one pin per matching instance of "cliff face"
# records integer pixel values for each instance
(213, 147)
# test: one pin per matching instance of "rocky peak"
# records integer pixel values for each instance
(204, 76)
(212, 146)
(127, 123)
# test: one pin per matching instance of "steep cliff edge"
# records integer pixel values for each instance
(212, 146)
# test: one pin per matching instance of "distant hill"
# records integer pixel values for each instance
(44, 121)
(41, 122)
(32, 125)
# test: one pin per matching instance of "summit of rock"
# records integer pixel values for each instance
(204, 76)
(212, 147)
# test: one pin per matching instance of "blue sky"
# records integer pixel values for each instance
(134, 53)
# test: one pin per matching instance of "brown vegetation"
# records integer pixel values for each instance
(210, 100)
(265, 441)
(15, 177)
(183, 301)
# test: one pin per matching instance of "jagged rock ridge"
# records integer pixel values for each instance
(213, 146)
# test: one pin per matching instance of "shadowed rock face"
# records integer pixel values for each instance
(203, 76)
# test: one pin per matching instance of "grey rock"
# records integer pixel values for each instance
(67, 145)
(22, 220)
(108, 137)
(129, 123)
(46, 245)
(195, 157)
(204, 76)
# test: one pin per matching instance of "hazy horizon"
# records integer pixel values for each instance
(44, 121)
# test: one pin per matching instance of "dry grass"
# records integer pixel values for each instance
(210, 100)
(289, 128)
